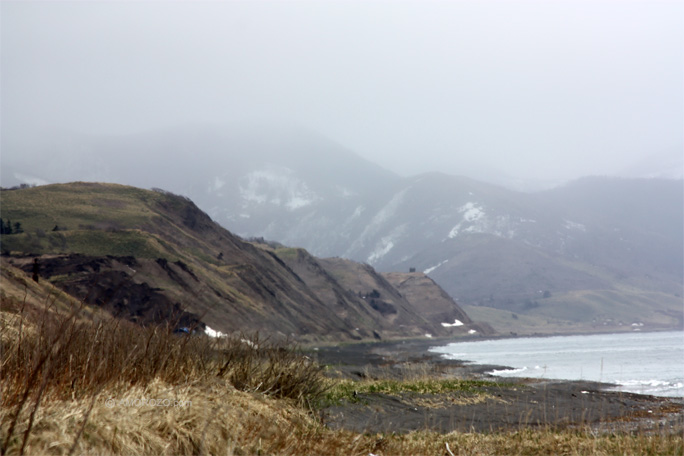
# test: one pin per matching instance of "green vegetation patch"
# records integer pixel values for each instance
(88, 242)
(78, 206)
(348, 390)
(120, 243)
(287, 253)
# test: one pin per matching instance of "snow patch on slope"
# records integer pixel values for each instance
(382, 249)
(429, 270)
(277, 186)
(475, 220)
(455, 323)
(387, 211)
(472, 212)
(385, 244)
(375, 225)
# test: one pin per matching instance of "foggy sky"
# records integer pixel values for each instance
(549, 89)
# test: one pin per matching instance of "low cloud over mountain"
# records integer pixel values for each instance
(596, 252)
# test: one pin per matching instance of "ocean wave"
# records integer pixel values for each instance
(455, 356)
(508, 371)
(650, 386)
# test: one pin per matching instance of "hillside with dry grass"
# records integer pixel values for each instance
(151, 256)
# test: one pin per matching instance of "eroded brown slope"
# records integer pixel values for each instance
(433, 303)
(146, 255)
(357, 293)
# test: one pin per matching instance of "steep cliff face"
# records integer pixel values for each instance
(356, 292)
(153, 257)
(426, 296)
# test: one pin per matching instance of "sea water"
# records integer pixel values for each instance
(638, 362)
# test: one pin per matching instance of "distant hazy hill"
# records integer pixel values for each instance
(599, 253)
(151, 256)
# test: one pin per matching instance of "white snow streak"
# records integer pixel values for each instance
(385, 245)
(429, 270)
(376, 224)
(472, 212)
(277, 186)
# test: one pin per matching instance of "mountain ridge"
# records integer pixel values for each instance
(486, 245)
(148, 255)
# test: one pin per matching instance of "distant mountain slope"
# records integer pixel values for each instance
(600, 253)
(604, 250)
(596, 254)
(152, 256)
(629, 224)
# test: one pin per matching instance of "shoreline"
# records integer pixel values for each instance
(474, 338)
(417, 345)
(660, 385)
(508, 402)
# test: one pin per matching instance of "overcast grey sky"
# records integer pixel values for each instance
(545, 89)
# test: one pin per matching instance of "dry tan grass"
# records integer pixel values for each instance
(198, 419)
(57, 368)
(225, 421)
(76, 386)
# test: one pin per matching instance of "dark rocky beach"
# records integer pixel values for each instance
(500, 404)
